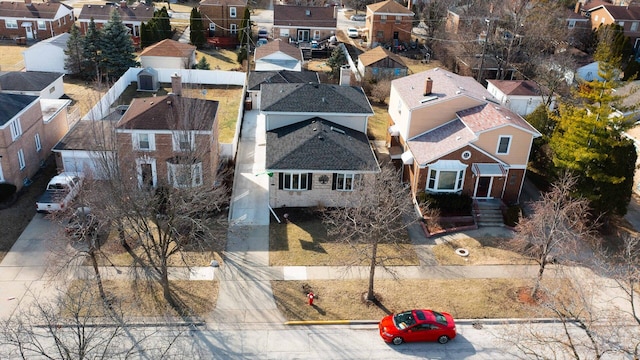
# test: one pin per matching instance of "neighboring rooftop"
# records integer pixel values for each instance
(517, 87)
(169, 112)
(309, 16)
(58, 40)
(319, 144)
(27, 80)
(620, 12)
(257, 78)
(491, 116)
(35, 10)
(12, 104)
(224, 2)
(102, 13)
(314, 98)
(278, 46)
(169, 48)
(88, 135)
(379, 53)
(389, 7)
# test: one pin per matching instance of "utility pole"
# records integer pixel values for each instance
(484, 51)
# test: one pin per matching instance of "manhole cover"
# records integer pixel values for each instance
(477, 325)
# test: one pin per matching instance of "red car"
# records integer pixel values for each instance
(417, 325)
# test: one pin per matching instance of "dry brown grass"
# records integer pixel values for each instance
(416, 66)
(379, 122)
(84, 95)
(463, 298)
(221, 59)
(305, 243)
(482, 251)
(143, 298)
(11, 56)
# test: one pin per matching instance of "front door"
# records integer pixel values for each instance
(303, 35)
(395, 35)
(483, 186)
(29, 30)
(146, 173)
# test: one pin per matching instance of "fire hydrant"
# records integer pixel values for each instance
(310, 296)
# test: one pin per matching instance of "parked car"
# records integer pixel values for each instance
(261, 42)
(352, 33)
(263, 34)
(81, 225)
(60, 191)
(417, 325)
(358, 18)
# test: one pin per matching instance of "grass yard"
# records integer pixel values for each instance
(144, 298)
(463, 298)
(221, 59)
(11, 56)
(379, 122)
(482, 251)
(306, 243)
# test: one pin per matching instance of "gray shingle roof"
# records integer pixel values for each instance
(257, 78)
(27, 80)
(11, 104)
(315, 144)
(314, 98)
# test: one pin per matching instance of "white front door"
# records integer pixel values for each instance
(28, 30)
(303, 35)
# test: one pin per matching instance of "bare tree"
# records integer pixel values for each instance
(381, 90)
(376, 216)
(555, 228)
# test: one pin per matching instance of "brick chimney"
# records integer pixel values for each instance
(27, 2)
(176, 84)
(428, 85)
(123, 4)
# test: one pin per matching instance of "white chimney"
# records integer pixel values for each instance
(345, 75)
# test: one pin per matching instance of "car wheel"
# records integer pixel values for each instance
(397, 340)
(443, 339)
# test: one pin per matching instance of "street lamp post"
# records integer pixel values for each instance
(484, 51)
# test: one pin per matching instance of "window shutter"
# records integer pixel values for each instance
(334, 181)
(309, 180)
(280, 180)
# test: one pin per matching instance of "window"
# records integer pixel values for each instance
(232, 12)
(383, 18)
(634, 26)
(344, 182)
(144, 142)
(380, 34)
(399, 106)
(621, 23)
(183, 141)
(52, 90)
(212, 26)
(185, 175)
(21, 159)
(596, 18)
(316, 34)
(446, 176)
(11, 24)
(16, 129)
(233, 28)
(38, 143)
(284, 32)
(398, 19)
(503, 145)
(42, 25)
(295, 181)
(572, 24)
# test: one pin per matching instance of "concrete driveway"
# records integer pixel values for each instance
(23, 271)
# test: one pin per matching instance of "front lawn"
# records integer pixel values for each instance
(303, 241)
(482, 251)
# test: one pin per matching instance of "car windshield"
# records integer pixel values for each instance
(441, 319)
(403, 320)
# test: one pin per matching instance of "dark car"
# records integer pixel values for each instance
(263, 34)
(417, 325)
(81, 225)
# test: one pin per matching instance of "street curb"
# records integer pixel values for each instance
(460, 322)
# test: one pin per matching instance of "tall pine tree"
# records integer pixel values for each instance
(91, 52)
(588, 137)
(74, 60)
(117, 48)
(197, 29)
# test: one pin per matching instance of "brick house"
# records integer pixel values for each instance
(29, 128)
(34, 20)
(452, 136)
(388, 22)
(222, 19)
(169, 140)
(132, 17)
(317, 147)
(626, 16)
(304, 23)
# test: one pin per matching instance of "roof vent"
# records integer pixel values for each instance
(339, 131)
(458, 137)
(508, 117)
(151, 103)
(89, 5)
(324, 100)
(428, 98)
(458, 92)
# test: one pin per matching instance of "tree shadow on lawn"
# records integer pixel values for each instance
(219, 56)
(309, 222)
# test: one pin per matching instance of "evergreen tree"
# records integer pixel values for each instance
(163, 24)
(588, 137)
(117, 48)
(336, 60)
(74, 60)
(197, 29)
(91, 52)
(203, 64)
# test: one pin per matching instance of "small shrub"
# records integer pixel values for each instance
(7, 191)
(449, 204)
(512, 215)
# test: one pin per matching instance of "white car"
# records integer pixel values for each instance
(353, 33)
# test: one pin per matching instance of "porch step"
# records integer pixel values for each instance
(488, 213)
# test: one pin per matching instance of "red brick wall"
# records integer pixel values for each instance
(389, 27)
